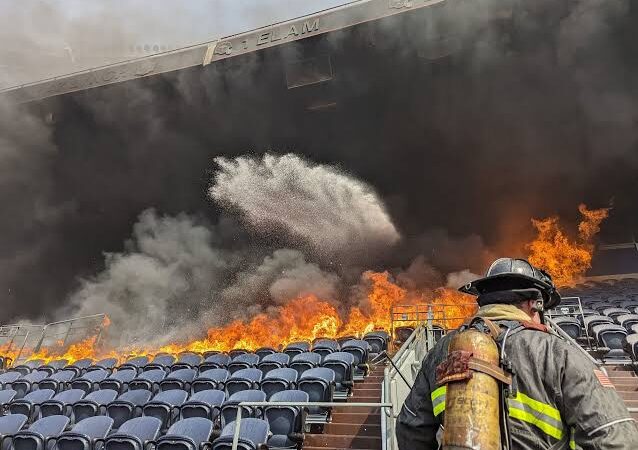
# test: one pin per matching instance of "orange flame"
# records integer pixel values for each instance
(566, 259)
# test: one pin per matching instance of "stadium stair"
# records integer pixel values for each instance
(625, 381)
(354, 428)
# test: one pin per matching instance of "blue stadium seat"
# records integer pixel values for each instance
(229, 408)
(378, 341)
(61, 404)
(165, 406)
(186, 434)
(324, 347)
(252, 434)
(206, 404)
(187, 360)
(28, 382)
(630, 345)
(592, 321)
(243, 361)
(93, 404)
(236, 352)
(273, 361)
(615, 312)
(360, 350)
(136, 363)
(278, 380)
(318, 383)
(80, 366)
(149, 380)
(7, 378)
(90, 380)
(401, 334)
(27, 367)
(243, 379)
(627, 320)
(264, 351)
(160, 362)
(216, 361)
(85, 433)
(342, 364)
(133, 434)
(179, 379)
(6, 397)
(286, 423)
(127, 406)
(54, 366)
(29, 405)
(305, 361)
(118, 381)
(612, 337)
(11, 424)
(35, 438)
(58, 381)
(569, 325)
(295, 348)
(107, 364)
(210, 379)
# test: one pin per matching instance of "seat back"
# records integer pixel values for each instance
(179, 379)
(279, 380)
(216, 361)
(133, 433)
(569, 325)
(264, 351)
(12, 423)
(187, 361)
(89, 380)
(186, 434)
(127, 406)
(610, 335)
(31, 402)
(273, 361)
(33, 438)
(229, 408)
(62, 403)
(165, 406)
(93, 404)
(118, 381)
(84, 432)
(25, 384)
(252, 434)
(243, 379)
(206, 404)
(318, 384)
(107, 364)
(148, 380)
(210, 379)
(162, 362)
(285, 420)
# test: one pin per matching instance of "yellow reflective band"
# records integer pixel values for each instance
(438, 400)
(572, 442)
(530, 418)
(542, 408)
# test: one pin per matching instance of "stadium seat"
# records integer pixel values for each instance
(38, 434)
(94, 404)
(147, 380)
(6, 397)
(84, 434)
(278, 380)
(205, 404)
(209, 353)
(29, 405)
(592, 321)
(243, 361)
(127, 406)
(118, 381)
(229, 408)
(90, 380)
(627, 320)
(286, 423)
(54, 366)
(615, 312)
(295, 348)
(360, 350)
(7, 378)
(57, 381)
(61, 404)
(187, 360)
(179, 379)
(304, 361)
(401, 334)
(342, 364)
(324, 347)
(252, 434)
(27, 367)
(136, 363)
(217, 361)
(378, 341)
(273, 361)
(27, 383)
(612, 337)
(107, 364)
(264, 351)
(631, 305)
(629, 345)
(80, 366)
(318, 383)
(186, 434)
(133, 434)
(165, 406)
(210, 379)
(243, 379)
(160, 362)
(569, 325)
(236, 352)
(11, 424)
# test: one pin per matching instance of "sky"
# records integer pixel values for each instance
(43, 38)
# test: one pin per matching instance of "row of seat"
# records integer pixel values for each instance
(145, 432)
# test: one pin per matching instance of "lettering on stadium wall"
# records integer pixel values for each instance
(279, 34)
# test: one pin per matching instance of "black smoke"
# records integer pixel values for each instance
(464, 141)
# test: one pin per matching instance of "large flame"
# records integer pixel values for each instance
(309, 317)
(566, 259)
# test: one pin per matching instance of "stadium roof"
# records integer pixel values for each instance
(322, 22)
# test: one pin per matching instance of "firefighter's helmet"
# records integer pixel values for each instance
(507, 274)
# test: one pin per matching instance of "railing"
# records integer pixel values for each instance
(300, 405)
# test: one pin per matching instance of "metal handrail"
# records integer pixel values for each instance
(299, 404)
(558, 330)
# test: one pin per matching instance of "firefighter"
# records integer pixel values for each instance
(560, 399)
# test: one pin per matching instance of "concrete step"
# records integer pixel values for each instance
(358, 418)
(628, 395)
(353, 429)
(342, 441)
(362, 399)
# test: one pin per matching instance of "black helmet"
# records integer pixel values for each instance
(512, 274)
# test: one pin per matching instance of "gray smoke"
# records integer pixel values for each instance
(338, 214)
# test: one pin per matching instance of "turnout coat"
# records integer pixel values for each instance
(562, 401)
